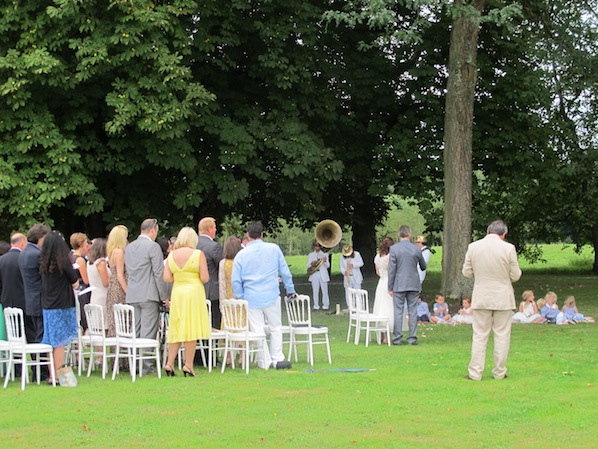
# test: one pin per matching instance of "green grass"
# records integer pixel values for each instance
(409, 397)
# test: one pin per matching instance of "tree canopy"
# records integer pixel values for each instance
(112, 112)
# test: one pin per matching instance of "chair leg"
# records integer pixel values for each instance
(328, 349)
(116, 362)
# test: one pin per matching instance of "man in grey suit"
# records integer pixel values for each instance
(492, 263)
(145, 265)
(32, 285)
(213, 252)
(404, 283)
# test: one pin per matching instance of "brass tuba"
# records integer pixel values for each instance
(328, 234)
(316, 264)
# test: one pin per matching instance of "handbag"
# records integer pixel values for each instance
(67, 377)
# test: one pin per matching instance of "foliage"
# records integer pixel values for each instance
(95, 95)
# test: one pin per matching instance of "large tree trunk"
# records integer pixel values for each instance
(458, 124)
(364, 241)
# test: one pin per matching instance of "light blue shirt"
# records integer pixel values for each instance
(255, 274)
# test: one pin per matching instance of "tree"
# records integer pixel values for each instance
(94, 94)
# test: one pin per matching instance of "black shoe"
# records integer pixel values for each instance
(283, 364)
(397, 343)
(188, 371)
(169, 371)
(413, 343)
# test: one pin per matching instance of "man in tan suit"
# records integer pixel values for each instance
(492, 263)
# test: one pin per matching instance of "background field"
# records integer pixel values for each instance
(406, 397)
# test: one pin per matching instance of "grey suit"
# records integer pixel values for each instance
(213, 252)
(404, 281)
(32, 286)
(145, 265)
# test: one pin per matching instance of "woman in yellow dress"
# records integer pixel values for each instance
(186, 266)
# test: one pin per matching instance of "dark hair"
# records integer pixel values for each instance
(54, 254)
(164, 243)
(36, 232)
(385, 245)
(255, 229)
(231, 247)
(98, 250)
(4, 247)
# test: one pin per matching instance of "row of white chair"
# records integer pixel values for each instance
(236, 336)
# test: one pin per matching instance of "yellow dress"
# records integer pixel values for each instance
(188, 318)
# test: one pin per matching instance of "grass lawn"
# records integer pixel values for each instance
(406, 397)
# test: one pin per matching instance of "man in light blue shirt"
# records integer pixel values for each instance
(255, 279)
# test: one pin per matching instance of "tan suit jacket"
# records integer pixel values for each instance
(492, 263)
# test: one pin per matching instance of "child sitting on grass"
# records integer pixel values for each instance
(551, 300)
(571, 312)
(423, 311)
(553, 316)
(441, 311)
(528, 311)
(465, 315)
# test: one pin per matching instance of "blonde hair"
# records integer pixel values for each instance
(551, 295)
(205, 224)
(570, 301)
(541, 303)
(117, 239)
(77, 240)
(187, 237)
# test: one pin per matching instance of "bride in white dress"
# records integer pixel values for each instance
(383, 302)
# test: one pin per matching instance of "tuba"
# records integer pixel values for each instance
(328, 234)
(315, 265)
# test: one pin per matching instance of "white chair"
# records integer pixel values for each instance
(75, 351)
(4, 357)
(238, 337)
(211, 344)
(299, 316)
(129, 346)
(353, 315)
(20, 349)
(97, 340)
(367, 320)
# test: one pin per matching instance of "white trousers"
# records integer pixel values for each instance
(318, 284)
(258, 318)
(484, 321)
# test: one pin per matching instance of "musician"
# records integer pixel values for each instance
(317, 267)
(420, 241)
(351, 262)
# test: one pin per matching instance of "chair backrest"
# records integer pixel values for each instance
(124, 318)
(353, 301)
(362, 301)
(95, 320)
(299, 311)
(234, 315)
(15, 325)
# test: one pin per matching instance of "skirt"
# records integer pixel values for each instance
(60, 327)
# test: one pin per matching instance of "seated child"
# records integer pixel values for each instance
(465, 315)
(423, 312)
(441, 310)
(571, 313)
(551, 300)
(528, 311)
(553, 316)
